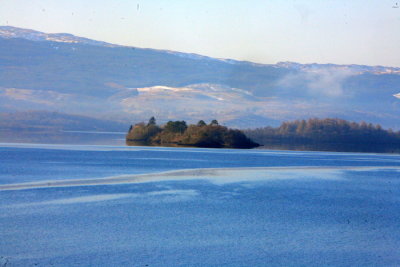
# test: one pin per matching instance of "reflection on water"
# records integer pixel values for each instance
(63, 137)
(321, 217)
(371, 148)
(118, 139)
(385, 148)
(142, 143)
(212, 207)
(136, 143)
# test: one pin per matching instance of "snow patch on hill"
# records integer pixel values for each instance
(356, 69)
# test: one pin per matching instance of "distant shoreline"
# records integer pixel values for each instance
(330, 134)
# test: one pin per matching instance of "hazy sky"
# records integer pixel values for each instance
(322, 31)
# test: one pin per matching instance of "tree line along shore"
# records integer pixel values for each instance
(327, 134)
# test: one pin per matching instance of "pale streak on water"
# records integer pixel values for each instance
(216, 176)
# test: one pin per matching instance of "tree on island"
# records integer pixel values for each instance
(152, 121)
(176, 126)
(214, 122)
(143, 132)
(201, 123)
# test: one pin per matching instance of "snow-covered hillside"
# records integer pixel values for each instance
(14, 32)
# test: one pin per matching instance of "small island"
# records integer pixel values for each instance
(178, 133)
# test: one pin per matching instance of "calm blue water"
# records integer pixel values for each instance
(294, 209)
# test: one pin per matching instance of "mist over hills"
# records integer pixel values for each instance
(75, 75)
(42, 120)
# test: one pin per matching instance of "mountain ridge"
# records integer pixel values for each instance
(132, 84)
(33, 35)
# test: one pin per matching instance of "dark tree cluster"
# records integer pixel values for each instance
(180, 134)
(319, 131)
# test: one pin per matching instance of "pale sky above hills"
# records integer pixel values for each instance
(340, 31)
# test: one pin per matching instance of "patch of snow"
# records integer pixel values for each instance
(159, 88)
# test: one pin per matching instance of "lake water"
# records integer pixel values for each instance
(92, 205)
